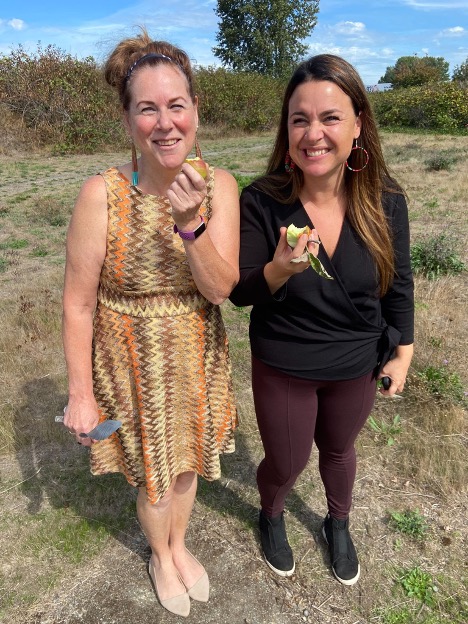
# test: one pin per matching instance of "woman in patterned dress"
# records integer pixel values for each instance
(152, 251)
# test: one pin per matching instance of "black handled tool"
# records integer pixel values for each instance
(386, 382)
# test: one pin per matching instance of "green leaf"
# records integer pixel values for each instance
(318, 266)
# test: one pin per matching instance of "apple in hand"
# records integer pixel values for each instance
(294, 233)
(199, 165)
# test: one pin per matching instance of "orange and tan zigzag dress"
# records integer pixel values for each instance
(160, 353)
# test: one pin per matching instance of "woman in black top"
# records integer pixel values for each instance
(321, 340)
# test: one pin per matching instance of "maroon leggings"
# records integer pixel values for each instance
(291, 414)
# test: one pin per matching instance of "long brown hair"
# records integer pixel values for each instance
(363, 189)
(135, 52)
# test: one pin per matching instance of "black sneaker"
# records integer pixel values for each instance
(344, 561)
(276, 549)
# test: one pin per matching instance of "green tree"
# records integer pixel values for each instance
(460, 73)
(264, 36)
(413, 71)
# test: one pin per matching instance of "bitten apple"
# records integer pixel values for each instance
(294, 233)
(199, 165)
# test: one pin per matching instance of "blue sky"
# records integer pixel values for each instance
(370, 34)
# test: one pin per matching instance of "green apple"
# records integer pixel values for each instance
(293, 234)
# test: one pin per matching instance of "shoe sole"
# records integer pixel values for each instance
(347, 582)
(283, 573)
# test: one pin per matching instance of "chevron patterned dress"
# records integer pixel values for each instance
(160, 353)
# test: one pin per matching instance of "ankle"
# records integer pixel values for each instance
(273, 520)
(161, 561)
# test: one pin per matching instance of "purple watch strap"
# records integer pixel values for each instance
(191, 235)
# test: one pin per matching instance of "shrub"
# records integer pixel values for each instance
(63, 100)
(436, 256)
(49, 98)
(441, 162)
(441, 106)
(241, 101)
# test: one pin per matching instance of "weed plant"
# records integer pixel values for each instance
(418, 584)
(409, 522)
(443, 383)
(397, 616)
(386, 430)
(436, 256)
(440, 162)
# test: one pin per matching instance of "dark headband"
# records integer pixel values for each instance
(151, 55)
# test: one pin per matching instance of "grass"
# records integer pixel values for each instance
(412, 454)
(14, 244)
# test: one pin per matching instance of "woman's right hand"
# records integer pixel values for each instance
(81, 416)
(283, 266)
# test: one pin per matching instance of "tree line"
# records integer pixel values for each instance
(56, 100)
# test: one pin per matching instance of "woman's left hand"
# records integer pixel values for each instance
(397, 370)
(186, 195)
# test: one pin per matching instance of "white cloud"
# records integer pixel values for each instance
(436, 5)
(456, 31)
(350, 28)
(371, 62)
(17, 24)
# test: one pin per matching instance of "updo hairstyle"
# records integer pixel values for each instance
(123, 63)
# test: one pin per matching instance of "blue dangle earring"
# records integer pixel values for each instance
(134, 166)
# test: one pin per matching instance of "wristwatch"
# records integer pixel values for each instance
(191, 235)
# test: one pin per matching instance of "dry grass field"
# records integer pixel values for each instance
(71, 549)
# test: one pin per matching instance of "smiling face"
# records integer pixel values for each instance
(162, 118)
(322, 124)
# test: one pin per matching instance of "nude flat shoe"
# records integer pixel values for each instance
(201, 589)
(178, 605)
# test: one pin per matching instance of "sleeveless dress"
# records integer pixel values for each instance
(160, 352)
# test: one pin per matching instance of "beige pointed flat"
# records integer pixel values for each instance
(178, 605)
(200, 590)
